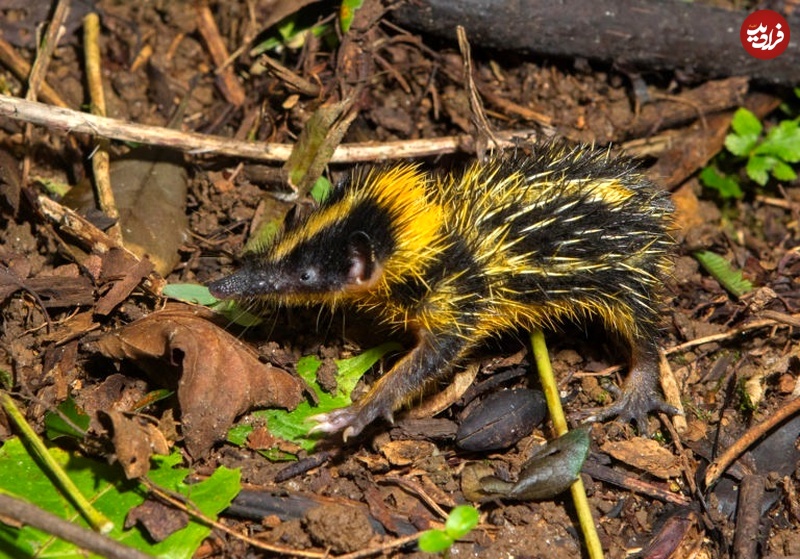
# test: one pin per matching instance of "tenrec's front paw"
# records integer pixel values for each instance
(351, 420)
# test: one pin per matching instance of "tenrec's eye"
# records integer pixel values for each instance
(307, 276)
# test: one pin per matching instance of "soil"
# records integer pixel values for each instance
(59, 296)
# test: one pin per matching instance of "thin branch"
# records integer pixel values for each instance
(77, 122)
(774, 320)
(733, 452)
(22, 69)
(49, 523)
(101, 161)
(45, 49)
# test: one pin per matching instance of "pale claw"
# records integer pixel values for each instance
(351, 420)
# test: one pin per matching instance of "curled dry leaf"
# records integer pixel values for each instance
(135, 440)
(217, 377)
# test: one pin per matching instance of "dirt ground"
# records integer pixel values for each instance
(734, 361)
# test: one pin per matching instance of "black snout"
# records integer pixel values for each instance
(243, 283)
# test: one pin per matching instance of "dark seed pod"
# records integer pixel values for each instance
(502, 420)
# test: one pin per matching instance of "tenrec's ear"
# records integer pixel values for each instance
(362, 259)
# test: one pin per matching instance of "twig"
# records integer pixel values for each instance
(165, 496)
(672, 392)
(776, 318)
(47, 47)
(777, 202)
(226, 79)
(743, 443)
(93, 239)
(21, 69)
(77, 122)
(559, 420)
(476, 105)
(416, 489)
(95, 518)
(632, 483)
(100, 158)
(49, 523)
(286, 75)
(39, 70)
(382, 548)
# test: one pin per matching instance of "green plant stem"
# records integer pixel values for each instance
(97, 521)
(577, 489)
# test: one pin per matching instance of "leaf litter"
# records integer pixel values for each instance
(216, 376)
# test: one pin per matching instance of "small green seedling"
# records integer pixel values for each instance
(763, 155)
(294, 426)
(460, 522)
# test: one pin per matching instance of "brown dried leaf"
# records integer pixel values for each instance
(405, 453)
(645, 454)
(150, 189)
(135, 440)
(158, 519)
(125, 272)
(150, 193)
(49, 291)
(440, 401)
(217, 376)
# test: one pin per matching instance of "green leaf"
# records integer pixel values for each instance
(730, 278)
(238, 434)
(740, 145)
(236, 314)
(347, 12)
(758, 168)
(294, 426)
(745, 123)
(321, 190)
(726, 186)
(52, 186)
(434, 541)
(289, 34)
(312, 152)
(56, 426)
(461, 521)
(783, 172)
(190, 293)
(782, 141)
(110, 493)
(199, 295)
(746, 131)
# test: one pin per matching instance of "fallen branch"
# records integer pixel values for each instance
(698, 39)
(71, 121)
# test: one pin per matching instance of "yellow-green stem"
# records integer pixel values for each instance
(95, 518)
(559, 420)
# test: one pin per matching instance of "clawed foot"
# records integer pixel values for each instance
(635, 406)
(350, 420)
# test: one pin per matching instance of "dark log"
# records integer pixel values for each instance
(702, 41)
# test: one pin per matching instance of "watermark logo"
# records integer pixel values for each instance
(765, 34)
